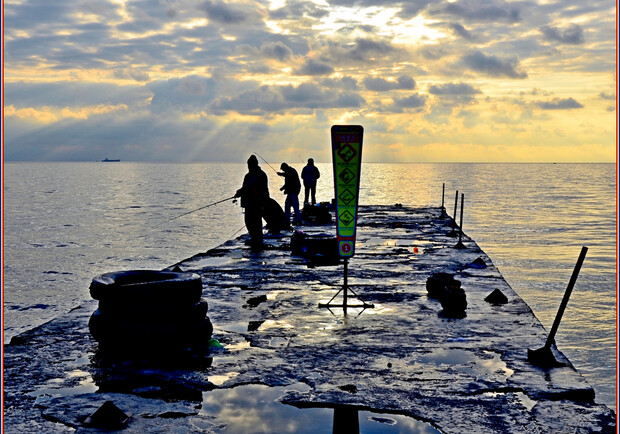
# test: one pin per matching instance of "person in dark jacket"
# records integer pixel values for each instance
(310, 174)
(291, 188)
(254, 194)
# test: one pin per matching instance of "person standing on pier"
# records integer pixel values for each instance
(291, 188)
(310, 174)
(254, 194)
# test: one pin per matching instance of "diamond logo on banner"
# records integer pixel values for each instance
(346, 218)
(346, 197)
(347, 152)
(346, 176)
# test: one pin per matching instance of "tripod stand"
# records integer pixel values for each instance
(345, 296)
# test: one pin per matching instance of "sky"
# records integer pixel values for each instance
(212, 80)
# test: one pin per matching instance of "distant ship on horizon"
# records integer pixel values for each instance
(107, 160)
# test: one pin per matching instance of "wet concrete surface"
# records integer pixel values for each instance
(400, 364)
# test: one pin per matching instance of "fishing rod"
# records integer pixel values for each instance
(266, 162)
(198, 209)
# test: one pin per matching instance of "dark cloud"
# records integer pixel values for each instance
(411, 9)
(478, 11)
(276, 50)
(608, 96)
(187, 94)
(131, 74)
(379, 84)
(277, 99)
(225, 13)
(366, 48)
(413, 101)
(345, 83)
(493, 66)
(560, 104)
(131, 136)
(294, 10)
(460, 30)
(314, 67)
(453, 89)
(453, 95)
(572, 34)
(71, 94)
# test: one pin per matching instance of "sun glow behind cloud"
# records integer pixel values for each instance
(430, 81)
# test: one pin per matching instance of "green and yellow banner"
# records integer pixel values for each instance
(347, 161)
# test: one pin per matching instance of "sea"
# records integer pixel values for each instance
(65, 223)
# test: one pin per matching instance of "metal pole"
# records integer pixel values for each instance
(345, 286)
(456, 201)
(569, 289)
(443, 193)
(461, 226)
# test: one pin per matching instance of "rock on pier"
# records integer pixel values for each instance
(404, 357)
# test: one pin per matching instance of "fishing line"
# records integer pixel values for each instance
(197, 209)
(266, 162)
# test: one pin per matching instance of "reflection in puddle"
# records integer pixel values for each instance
(257, 408)
(83, 386)
(212, 261)
(218, 380)
(466, 360)
(270, 323)
(523, 399)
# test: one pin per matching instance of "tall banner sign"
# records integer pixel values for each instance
(347, 161)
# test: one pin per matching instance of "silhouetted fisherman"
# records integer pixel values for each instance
(310, 174)
(291, 188)
(254, 194)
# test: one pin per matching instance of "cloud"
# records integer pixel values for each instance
(225, 13)
(345, 83)
(314, 67)
(572, 35)
(131, 74)
(361, 50)
(607, 96)
(478, 10)
(413, 101)
(378, 84)
(453, 89)
(460, 30)
(276, 50)
(560, 104)
(296, 10)
(186, 94)
(72, 94)
(266, 100)
(493, 66)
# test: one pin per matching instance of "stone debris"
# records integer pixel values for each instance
(496, 297)
(402, 358)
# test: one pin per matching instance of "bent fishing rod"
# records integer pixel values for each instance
(266, 162)
(197, 209)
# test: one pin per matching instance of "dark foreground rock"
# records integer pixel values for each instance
(401, 359)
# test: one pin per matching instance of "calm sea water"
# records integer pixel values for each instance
(65, 223)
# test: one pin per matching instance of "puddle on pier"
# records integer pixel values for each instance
(84, 383)
(523, 399)
(213, 262)
(257, 408)
(397, 242)
(466, 361)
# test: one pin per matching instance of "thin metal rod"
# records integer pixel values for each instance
(461, 227)
(569, 289)
(456, 201)
(443, 194)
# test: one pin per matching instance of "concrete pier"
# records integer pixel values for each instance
(404, 357)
